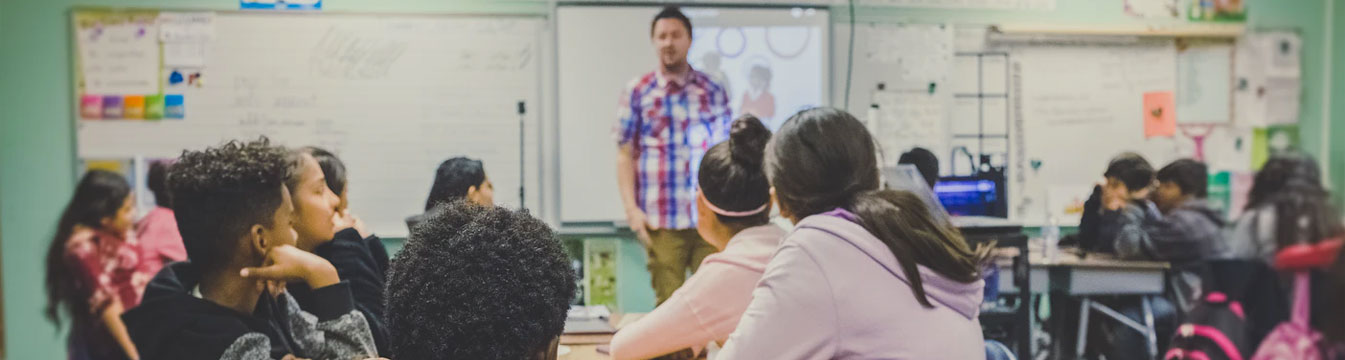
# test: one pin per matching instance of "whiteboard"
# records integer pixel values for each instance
(392, 95)
(1075, 107)
(595, 63)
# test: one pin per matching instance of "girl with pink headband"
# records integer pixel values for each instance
(733, 204)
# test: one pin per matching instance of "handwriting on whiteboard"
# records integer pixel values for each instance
(346, 54)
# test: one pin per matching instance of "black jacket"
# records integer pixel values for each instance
(363, 264)
(171, 323)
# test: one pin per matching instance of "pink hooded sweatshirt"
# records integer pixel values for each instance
(834, 291)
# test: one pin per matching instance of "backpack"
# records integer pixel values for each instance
(1216, 328)
(1295, 339)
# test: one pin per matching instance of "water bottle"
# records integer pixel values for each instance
(1051, 234)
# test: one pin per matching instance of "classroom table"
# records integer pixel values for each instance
(1096, 275)
(585, 347)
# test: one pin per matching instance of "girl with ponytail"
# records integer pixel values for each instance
(866, 273)
(734, 205)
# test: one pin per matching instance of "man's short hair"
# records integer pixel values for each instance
(671, 12)
(477, 282)
(220, 192)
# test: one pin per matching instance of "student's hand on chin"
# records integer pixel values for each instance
(288, 263)
(343, 219)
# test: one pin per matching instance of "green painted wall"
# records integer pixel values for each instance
(37, 167)
(1338, 101)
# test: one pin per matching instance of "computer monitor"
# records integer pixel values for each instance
(972, 196)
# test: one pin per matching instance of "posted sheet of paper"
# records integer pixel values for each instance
(119, 59)
(1159, 115)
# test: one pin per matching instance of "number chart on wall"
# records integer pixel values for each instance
(391, 95)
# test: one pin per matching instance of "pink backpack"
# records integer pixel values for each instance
(1295, 339)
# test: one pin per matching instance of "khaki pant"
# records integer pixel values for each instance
(673, 253)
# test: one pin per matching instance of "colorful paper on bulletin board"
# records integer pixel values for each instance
(1268, 141)
(153, 107)
(1228, 192)
(1160, 116)
(600, 271)
(1219, 195)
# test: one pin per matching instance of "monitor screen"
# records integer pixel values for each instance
(967, 196)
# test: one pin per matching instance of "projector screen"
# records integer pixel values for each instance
(773, 61)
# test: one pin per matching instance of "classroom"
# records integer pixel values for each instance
(649, 179)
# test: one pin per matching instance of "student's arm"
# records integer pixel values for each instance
(250, 346)
(670, 327)
(330, 328)
(792, 315)
(625, 178)
(357, 265)
(705, 309)
(1125, 228)
(1184, 235)
(112, 321)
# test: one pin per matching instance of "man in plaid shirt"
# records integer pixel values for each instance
(668, 118)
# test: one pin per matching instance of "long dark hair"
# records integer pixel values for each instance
(452, 180)
(1291, 184)
(100, 194)
(823, 158)
(156, 179)
(731, 177)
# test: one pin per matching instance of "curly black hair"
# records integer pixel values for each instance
(220, 192)
(477, 282)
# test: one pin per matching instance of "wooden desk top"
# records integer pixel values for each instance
(585, 347)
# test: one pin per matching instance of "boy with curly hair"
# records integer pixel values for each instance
(227, 301)
(479, 283)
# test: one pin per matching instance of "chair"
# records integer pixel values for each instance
(1016, 317)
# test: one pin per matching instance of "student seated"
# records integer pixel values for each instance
(478, 282)
(925, 161)
(228, 300)
(734, 207)
(326, 228)
(1129, 178)
(865, 273)
(159, 239)
(1287, 205)
(334, 173)
(456, 179)
(1179, 227)
(94, 271)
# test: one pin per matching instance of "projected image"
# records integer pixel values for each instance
(769, 71)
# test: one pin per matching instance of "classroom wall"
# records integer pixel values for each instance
(1337, 104)
(37, 168)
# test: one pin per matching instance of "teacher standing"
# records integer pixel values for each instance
(668, 118)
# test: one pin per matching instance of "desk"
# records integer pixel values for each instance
(585, 347)
(1095, 275)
